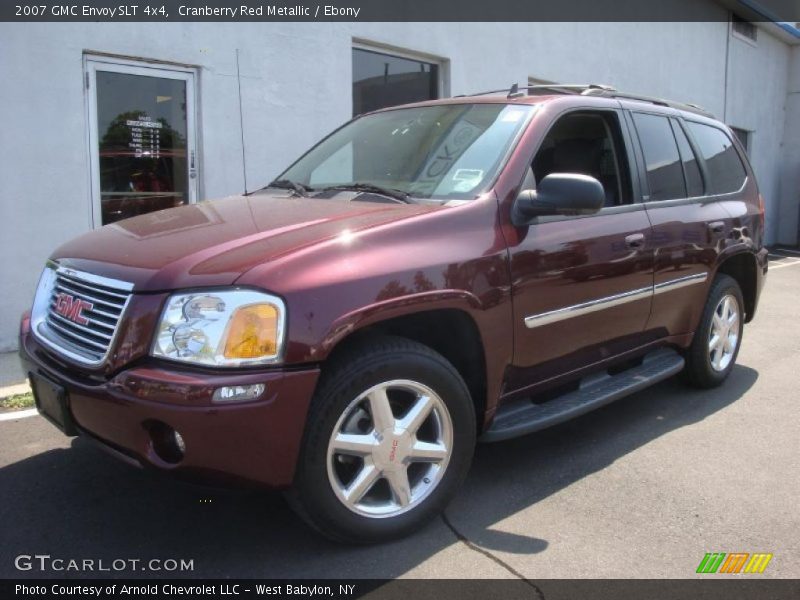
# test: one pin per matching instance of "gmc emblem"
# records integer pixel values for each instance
(71, 308)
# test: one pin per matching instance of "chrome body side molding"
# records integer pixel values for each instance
(680, 282)
(577, 310)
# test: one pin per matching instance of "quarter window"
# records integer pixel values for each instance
(661, 157)
(691, 170)
(725, 169)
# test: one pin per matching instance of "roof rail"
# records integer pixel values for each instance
(594, 89)
(693, 108)
(569, 88)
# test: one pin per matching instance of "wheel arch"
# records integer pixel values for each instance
(450, 331)
(742, 267)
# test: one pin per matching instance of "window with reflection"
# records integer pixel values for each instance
(381, 80)
(661, 157)
(725, 169)
(142, 144)
(450, 151)
(691, 170)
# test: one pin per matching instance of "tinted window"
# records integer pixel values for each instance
(381, 80)
(663, 163)
(694, 181)
(590, 144)
(725, 169)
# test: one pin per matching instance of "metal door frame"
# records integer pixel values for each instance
(94, 63)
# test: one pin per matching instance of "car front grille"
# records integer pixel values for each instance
(83, 314)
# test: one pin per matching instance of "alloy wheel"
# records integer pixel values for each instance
(723, 338)
(390, 449)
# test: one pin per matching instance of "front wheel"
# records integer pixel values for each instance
(716, 343)
(390, 438)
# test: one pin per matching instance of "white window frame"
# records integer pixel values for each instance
(443, 64)
(98, 62)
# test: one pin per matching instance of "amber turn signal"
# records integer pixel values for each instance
(253, 332)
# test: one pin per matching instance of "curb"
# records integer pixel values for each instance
(13, 390)
(18, 414)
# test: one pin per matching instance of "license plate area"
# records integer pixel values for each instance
(52, 403)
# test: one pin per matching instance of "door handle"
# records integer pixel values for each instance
(634, 240)
(716, 226)
(192, 169)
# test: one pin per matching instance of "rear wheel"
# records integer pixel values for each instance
(716, 343)
(389, 440)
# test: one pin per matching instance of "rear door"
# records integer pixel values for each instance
(689, 225)
(582, 286)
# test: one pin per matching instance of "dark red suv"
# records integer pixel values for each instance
(426, 276)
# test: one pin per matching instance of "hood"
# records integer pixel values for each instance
(214, 243)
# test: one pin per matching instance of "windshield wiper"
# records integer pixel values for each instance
(375, 189)
(287, 184)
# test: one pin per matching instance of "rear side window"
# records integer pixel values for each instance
(661, 157)
(725, 170)
(694, 181)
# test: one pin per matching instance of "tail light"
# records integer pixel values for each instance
(762, 209)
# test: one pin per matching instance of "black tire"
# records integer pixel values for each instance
(369, 363)
(699, 369)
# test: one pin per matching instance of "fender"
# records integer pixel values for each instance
(749, 272)
(399, 307)
(489, 319)
(732, 251)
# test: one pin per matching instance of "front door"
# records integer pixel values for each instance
(141, 138)
(582, 286)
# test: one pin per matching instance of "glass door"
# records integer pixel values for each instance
(142, 138)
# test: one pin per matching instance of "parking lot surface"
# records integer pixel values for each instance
(641, 488)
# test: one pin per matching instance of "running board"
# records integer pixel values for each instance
(523, 417)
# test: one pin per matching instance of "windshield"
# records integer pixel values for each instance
(450, 151)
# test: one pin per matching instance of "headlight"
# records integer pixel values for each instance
(44, 294)
(226, 328)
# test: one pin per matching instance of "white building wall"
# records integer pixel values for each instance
(789, 207)
(296, 86)
(757, 86)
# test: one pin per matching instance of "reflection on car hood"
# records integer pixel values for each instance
(214, 243)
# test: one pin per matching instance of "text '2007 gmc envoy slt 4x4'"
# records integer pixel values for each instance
(427, 276)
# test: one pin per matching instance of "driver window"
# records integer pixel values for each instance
(589, 144)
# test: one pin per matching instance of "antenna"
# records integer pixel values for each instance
(241, 121)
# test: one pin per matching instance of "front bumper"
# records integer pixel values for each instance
(254, 442)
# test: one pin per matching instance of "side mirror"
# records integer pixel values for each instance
(559, 194)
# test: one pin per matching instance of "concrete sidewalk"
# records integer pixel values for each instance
(12, 379)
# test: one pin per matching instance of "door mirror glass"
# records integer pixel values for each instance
(568, 194)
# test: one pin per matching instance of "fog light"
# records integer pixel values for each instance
(167, 444)
(179, 443)
(238, 393)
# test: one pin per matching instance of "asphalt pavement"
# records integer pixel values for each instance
(642, 488)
